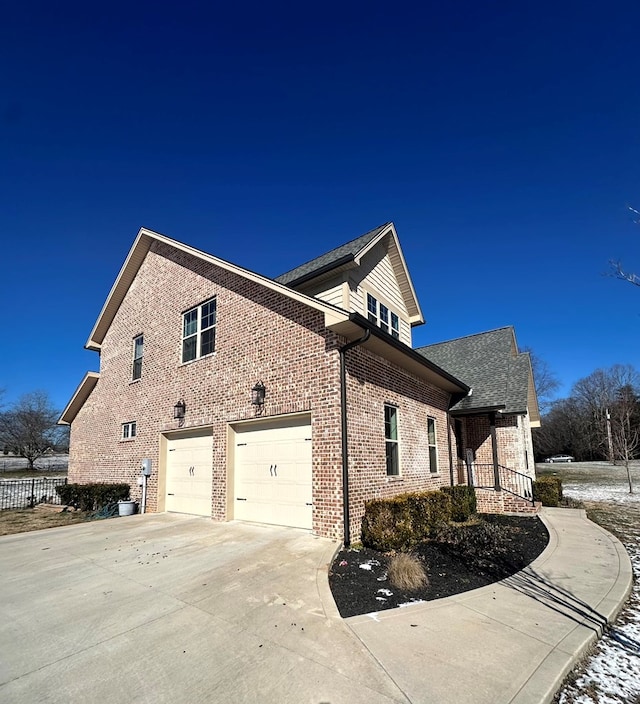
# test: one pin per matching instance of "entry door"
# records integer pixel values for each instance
(272, 479)
(189, 475)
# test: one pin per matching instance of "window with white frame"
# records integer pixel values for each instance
(129, 430)
(138, 347)
(391, 440)
(433, 447)
(199, 331)
(380, 315)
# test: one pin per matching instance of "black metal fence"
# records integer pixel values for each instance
(26, 493)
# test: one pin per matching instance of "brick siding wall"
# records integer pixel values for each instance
(373, 382)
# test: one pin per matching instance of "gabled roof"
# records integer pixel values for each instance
(330, 260)
(139, 251)
(489, 362)
(350, 254)
(80, 395)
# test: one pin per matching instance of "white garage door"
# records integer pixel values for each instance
(189, 473)
(272, 479)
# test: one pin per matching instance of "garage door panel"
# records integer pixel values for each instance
(189, 475)
(273, 476)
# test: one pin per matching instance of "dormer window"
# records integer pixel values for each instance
(380, 315)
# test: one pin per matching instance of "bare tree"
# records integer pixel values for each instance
(625, 428)
(29, 428)
(616, 268)
(619, 273)
(546, 382)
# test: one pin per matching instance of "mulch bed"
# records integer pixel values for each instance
(358, 577)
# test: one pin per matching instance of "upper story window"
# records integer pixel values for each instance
(380, 315)
(199, 331)
(129, 430)
(138, 347)
(433, 447)
(391, 440)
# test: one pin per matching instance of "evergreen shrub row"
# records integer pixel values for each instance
(403, 521)
(92, 497)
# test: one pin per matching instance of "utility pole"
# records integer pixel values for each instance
(609, 439)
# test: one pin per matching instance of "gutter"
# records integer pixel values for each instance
(345, 444)
(360, 320)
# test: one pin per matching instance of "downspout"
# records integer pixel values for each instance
(345, 446)
(449, 443)
(494, 448)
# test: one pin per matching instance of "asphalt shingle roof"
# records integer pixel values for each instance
(330, 259)
(486, 362)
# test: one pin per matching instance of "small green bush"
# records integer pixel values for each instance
(386, 524)
(403, 521)
(548, 490)
(463, 501)
(429, 511)
(91, 497)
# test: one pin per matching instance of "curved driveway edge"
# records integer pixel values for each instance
(513, 641)
(173, 609)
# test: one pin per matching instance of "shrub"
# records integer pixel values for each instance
(387, 524)
(91, 497)
(547, 490)
(403, 521)
(463, 501)
(429, 511)
(405, 572)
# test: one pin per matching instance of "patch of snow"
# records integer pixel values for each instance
(369, 565)
(613, 493)
(383, 578)
(386, 592)
(374, 616)
(612, 674)
(411, 603)
(380, 598)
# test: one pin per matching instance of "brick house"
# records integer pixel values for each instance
(288, 401)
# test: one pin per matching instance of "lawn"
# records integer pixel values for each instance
(23, 520)
(611, 673)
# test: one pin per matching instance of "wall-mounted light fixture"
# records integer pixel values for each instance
(179, 409)
(257, 394)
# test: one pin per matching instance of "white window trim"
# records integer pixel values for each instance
(198, 332)
(434, 445)
(129, 430)
(135, 359)
(384, 325)
(397, 440)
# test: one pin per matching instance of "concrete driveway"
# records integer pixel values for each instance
(169, 608)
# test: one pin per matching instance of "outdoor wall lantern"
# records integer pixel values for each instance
(257, 394)
(178, 410)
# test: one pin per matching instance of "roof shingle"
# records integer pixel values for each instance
(329, 260)
(490, 364)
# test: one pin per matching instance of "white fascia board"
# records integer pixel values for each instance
(135, 258)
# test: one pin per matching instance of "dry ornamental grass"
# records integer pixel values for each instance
(406, 572)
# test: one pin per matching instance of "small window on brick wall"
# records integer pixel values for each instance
(433, 447)
(391, 440)
(129, 430)
(138, 346)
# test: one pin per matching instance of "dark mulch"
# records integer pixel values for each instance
(358, 577)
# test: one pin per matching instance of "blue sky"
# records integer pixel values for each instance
(501, 138)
